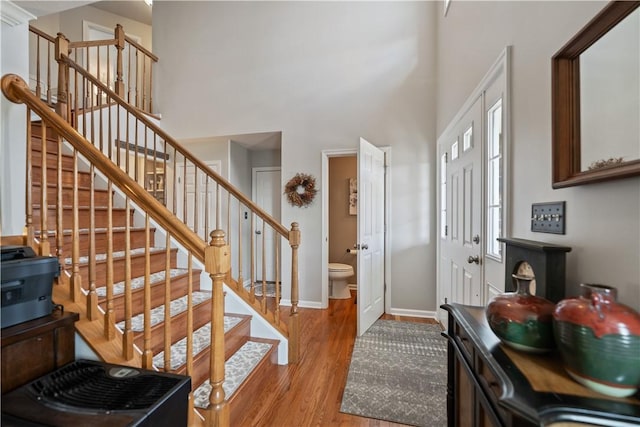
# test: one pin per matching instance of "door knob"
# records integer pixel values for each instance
(258, 232)
(473, 259)
(365, 247)
(476, 239)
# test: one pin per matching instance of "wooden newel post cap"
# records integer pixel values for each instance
(61, 47)
(120, 37)
(217, 257)
(294, 235)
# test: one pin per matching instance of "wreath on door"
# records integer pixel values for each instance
(300, 190)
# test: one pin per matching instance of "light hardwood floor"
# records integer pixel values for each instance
(310, 393)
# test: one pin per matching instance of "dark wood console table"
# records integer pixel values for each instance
(490, 384)
(35, 348)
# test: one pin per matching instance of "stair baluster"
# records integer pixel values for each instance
(109, 314)
(147, 355)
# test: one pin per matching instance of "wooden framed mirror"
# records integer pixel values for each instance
(596, 99)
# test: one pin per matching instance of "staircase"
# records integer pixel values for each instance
(151, 273)
(249, 362)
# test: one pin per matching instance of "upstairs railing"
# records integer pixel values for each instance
(121, 63)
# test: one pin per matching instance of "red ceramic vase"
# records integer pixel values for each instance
(599, 340)
(521, 320)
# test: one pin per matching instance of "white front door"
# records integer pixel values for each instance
(199, 197)
(473, 197)
(461, 252)
(371, 228)
(266, 194)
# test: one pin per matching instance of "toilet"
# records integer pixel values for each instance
(338, 275)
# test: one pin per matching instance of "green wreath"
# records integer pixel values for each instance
(300, 190)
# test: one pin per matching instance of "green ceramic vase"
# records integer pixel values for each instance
(521, 320)
(599, 340)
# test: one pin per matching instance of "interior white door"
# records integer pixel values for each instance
(461, 251)
(196, 197)
(371, 227)
(266, 193)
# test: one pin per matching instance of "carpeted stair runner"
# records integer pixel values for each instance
(176, 307)
(236, 370)
(201, 340)
(138, 282)
(119, 254)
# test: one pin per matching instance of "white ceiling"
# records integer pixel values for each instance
(137, 10)
(43, 8)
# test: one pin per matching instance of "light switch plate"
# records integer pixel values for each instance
(548, 217)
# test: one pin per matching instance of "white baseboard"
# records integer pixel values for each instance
(302, 303)
(414, 313)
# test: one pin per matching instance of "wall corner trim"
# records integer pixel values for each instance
(13, 14)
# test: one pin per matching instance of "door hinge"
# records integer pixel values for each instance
(446, 157)
(446, 230)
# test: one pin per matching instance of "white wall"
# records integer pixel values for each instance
(325, 74)
(603, 220)
(14, 59)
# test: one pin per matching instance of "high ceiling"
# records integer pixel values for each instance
(137, 10)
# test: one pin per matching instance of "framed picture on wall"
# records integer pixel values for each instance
(353, 196)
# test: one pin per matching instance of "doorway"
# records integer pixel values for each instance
(343, 221)
(265, 187)
(380, 253)
(473, 178)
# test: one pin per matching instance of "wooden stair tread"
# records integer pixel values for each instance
(237, 369)
(201, 342)
(116, 255)
(98, 230)
(138, 282)
(177, 306)
(67, 186)
(82, 207)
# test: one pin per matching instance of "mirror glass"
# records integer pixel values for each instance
(610, 97)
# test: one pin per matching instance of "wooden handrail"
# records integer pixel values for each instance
(283, 231)
(42, 34)
(141, 48)
(16, 90)
(92, 43)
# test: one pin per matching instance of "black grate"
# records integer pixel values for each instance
(85, 385)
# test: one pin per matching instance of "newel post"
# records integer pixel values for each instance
(62, 51)
(119, 36)
(217, 262)
(294, 318)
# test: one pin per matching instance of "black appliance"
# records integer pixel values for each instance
(97, 394)
(26, 282)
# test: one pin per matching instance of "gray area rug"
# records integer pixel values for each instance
(398, 373)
